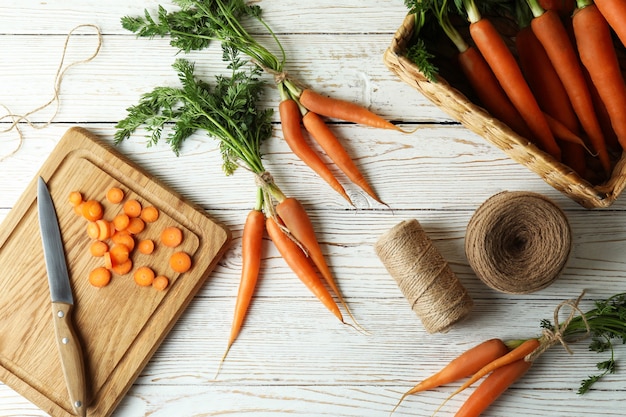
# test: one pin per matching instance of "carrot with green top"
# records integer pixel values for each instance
(507, 71)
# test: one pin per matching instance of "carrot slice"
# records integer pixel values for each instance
(132, 208)
(171, 236)
(100, 277)
(149, 214)
(144, 276)
(121, 221)
(75, 198)
(180, 262)
(160, 282)
(115, 195)
(146, 246)
(98, 248)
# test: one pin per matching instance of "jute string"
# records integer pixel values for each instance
(432, 289)
(518, 242)
(58, 80)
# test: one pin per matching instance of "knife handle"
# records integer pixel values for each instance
(71, 356)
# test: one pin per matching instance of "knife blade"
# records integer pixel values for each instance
(70, 351)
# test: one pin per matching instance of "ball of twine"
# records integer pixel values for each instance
(518, 242)
(424, 277)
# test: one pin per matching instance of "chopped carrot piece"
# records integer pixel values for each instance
(124, 238)
(100, 277)
(108, 263)
(132, 208)
(135, 226)
(115, 195)
(75, 198)
(161, 282)
(121, 221)
(144, 276)
(180, 262)
(104, 229)
(92, 210)
(171, 236)
(149, 214)
(93, 230)
(120, 253)
(98, 248)
(123, 268)
(146, 246)
(78, 209)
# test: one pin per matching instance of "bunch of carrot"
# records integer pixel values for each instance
(561, 86)
(503, 363)
(301, 109)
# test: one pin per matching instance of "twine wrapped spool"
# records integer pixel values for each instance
(518, 242)
(424, 277)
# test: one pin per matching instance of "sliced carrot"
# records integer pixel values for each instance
(115, 195)
(124, 238)
(121, 221)
(135, 226)
(104, 229)
(100, 277)
(160, 282)
(75, 198)
(98, 248)
(144, 276)
(92, 210)
(149, 214)
(132, 208)
(171, 236)
(93, 231)
(123, 268)
(180, 262)
(146, 246)
(120, 253)
(78, 209)
(108, 263)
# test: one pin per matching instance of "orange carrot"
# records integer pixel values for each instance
(92, 210)
(115, 195)
(98, 248)
(298, 222)
(100, 277)
(160, 282)
(292, 133)
(135, 225)
(119, 254)
(343, 110)
(552, 34)
(614, 11)
(171, 236)
(93, 231)
(327, 140)
(75, 198)
(104, 229)
(466, 364)
(300, 265)
(146, 246)
(132, 208)
(149, 214)
(124, 238)
(180, 262)
(493, 386)
(121, 221)
(251, 250)
(507, 71)
(124, 267)
(144, 276)
(595, 47)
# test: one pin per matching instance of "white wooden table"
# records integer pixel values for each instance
(292, 357)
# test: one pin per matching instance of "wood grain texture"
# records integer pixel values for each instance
(292, 357)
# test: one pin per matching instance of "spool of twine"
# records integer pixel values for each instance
(518, 242)
(424, 277)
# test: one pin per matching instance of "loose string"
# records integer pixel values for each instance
(552, 337)
(58, 80)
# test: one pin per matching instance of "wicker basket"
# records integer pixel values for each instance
(474, 117)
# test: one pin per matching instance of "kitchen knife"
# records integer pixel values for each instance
(69, 347)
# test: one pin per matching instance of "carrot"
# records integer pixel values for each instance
(292, 133)
(614, 11)
(595, 47)
(132, 208)
(92, 210)
(120, 253)
(121, 221)
(466, 364)
(104, 229)
(552, 34)
(124, 267)
(149, 214)
(75, 198)
(160, 282)
(343, 110)
(251, 247)
(327, 140)
(78, 209)
(180, 262)
(144, 276)
(507, 71)
(98, 248)
(300, 265)
(135, 225)
(124, 238)
(146, 246)
(493, 386)
(171, 236)
(93, 231)
(100, 277)
(115, 195)
(298, 222)
(563, 133)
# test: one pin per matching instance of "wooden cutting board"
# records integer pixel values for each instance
(121, 325)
